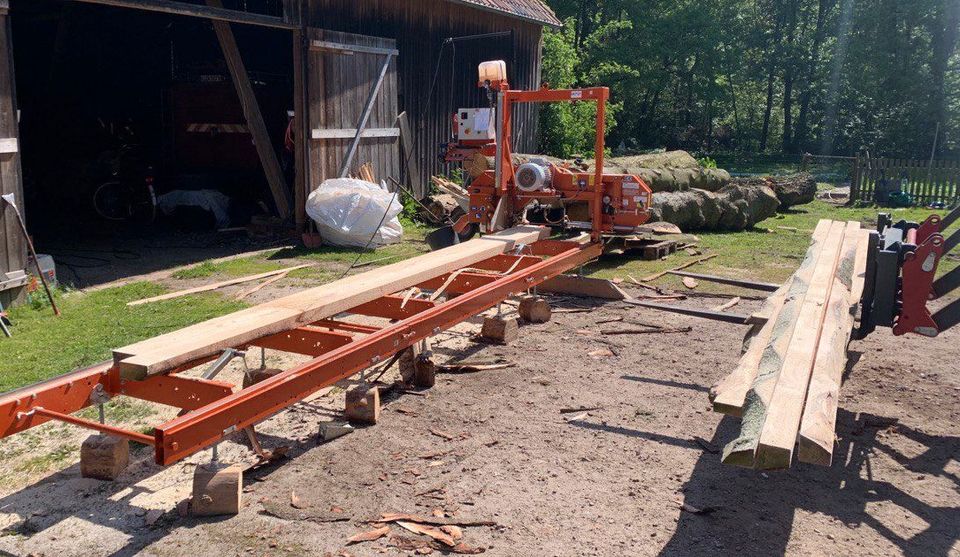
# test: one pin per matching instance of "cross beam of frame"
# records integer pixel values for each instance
(195, 10)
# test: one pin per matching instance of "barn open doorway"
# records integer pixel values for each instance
(135, 148)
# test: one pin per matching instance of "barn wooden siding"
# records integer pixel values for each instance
(339, 86)
(419, 28)
(13, 250)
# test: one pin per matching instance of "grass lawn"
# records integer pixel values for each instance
(94, 323)
(767, 253)
(91, 326)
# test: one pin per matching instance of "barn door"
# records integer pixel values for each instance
(352, 92)
(13, 251)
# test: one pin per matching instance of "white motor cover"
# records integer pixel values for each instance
(533, 176)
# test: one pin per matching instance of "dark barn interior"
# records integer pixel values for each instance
(114, 100)
(134, 148)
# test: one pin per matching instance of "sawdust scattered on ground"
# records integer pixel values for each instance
(608, 482)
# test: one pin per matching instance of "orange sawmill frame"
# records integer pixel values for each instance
(212, 410)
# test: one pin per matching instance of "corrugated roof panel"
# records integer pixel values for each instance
(532, 10)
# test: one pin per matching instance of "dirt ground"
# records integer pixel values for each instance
(638, 476)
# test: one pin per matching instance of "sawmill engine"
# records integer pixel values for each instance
(533, 176)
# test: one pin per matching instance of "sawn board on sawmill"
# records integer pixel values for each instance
(161, 354)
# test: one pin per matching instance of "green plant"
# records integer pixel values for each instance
(707, 162)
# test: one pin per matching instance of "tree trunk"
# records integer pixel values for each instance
(944, 34)
(813, 60)
(771, 77)
(789, 64)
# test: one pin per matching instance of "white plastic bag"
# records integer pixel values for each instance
(348, 212)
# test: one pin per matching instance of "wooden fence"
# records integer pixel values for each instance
(927, 184)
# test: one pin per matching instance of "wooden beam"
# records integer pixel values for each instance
(301, 146)
(349, 49)
(728, 395)
(216, 13)
(818, 425)
(742, 450)
(252, 114)
(365, 116)
(350, 133)
(163, 353)
(584, 287)
(217, 285)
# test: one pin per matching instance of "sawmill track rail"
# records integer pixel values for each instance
(212, 410)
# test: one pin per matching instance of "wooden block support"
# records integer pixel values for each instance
(363, 405)
(216, 490)
(416, 366)
(500, 330)
(104, 457)
(534, 310)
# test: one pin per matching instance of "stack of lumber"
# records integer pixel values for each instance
(786, 386)
(161, 354)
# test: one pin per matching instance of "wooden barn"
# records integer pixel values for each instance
(256, 101)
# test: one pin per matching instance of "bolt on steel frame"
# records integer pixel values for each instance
(212, 410)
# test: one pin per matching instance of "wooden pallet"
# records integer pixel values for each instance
(651, 249)
(786, 386)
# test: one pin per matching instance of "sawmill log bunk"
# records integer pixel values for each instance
(474, 276)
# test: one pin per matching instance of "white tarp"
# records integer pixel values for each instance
(349, 212)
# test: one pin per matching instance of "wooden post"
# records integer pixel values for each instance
(13, 249)
(252, 114)
(855, 181)
(414, 179)
(301, 137)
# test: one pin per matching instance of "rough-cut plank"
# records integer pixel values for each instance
(742, 450)
(165, 352)
(655, 276)
(816, 436)
(584, 287)
(729, 394)
(217, 285)
(779, 434)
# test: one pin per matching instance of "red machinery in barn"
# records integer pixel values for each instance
(565, 195)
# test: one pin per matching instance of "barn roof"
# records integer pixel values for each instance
(530, 10)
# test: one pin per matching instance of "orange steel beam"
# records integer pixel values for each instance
(389, 307)
(190, 433)
(309, 341)
(186, 393)
(67, 393)
(96, 426)
(335, 325)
